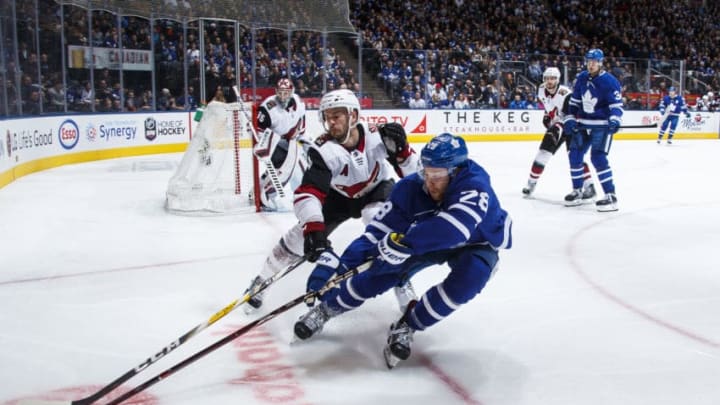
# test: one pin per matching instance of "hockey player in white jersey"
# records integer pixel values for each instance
(671, 106)
(281, 128)
(445, 213)
(350, 176)
(553, 96)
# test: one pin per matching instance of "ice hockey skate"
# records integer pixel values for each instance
(313, 321)
(575, 198)
(589, 192)
(608, 203)
(400, 338)
(528, 190)
(256, 300)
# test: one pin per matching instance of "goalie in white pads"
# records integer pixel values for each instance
(554, 98)
(281, 131)
(348, 177)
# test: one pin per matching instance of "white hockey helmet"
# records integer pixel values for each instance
(551, 72)
(339, 98)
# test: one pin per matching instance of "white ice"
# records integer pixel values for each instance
(587, 307)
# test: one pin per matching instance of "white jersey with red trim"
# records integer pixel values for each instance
(352, 173)
(553, 103)
(287, 122)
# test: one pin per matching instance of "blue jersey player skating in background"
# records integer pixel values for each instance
(671, 106)
(594, 116)
(445, 213)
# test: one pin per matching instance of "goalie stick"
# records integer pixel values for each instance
(269, 168)
(174, 345)
(241, 331)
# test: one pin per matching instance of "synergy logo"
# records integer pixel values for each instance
(91, 132)
(69, 134)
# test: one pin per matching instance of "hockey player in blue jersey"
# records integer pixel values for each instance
(594, 116)
(445, 213)
(671, 106)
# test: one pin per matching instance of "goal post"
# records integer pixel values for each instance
(218, 172)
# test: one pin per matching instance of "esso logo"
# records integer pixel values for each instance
(68, 134)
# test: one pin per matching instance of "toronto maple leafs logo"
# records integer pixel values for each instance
(589, 102)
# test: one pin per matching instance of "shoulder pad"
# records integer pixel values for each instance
(271, 104)
(562, 91)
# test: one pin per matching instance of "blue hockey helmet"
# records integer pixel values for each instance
(445, 150)
(672, 89)
(595, 54)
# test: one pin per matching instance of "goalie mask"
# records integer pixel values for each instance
(284, 91)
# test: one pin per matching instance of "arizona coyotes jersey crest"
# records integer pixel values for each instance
(356, 172)
(553, 103)
(351, 173)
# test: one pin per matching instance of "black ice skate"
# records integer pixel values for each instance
(313, 321)
(575, 198)
(589, 192)
(256, 300)
(528, 190)
(609, 203)
(400, 338)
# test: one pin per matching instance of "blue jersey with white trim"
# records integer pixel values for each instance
(470, 213)
(595, 100)
(674, 105)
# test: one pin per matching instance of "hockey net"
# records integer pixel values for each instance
(218, 172)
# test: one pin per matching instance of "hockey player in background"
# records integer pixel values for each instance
(671, 106)
(281, 129)
(445, 213)
(554, 96)
(348, 177)
(594, 116)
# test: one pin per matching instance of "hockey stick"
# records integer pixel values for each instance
(269, 168)
(176, 343)
(639, 126)
(239, 332)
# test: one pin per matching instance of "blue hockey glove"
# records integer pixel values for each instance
(613, 126)
(570, 127)
(392, 253)
(327, 264)
(687, 114)
(315, 240)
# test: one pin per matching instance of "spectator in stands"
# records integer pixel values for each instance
(518, 103)
(417, 102)
(56, 97)
(461, 103)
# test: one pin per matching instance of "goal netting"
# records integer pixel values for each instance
(218, 172)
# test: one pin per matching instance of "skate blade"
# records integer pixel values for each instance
(390, 360)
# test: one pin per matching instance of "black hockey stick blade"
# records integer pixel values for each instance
(239, 332)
